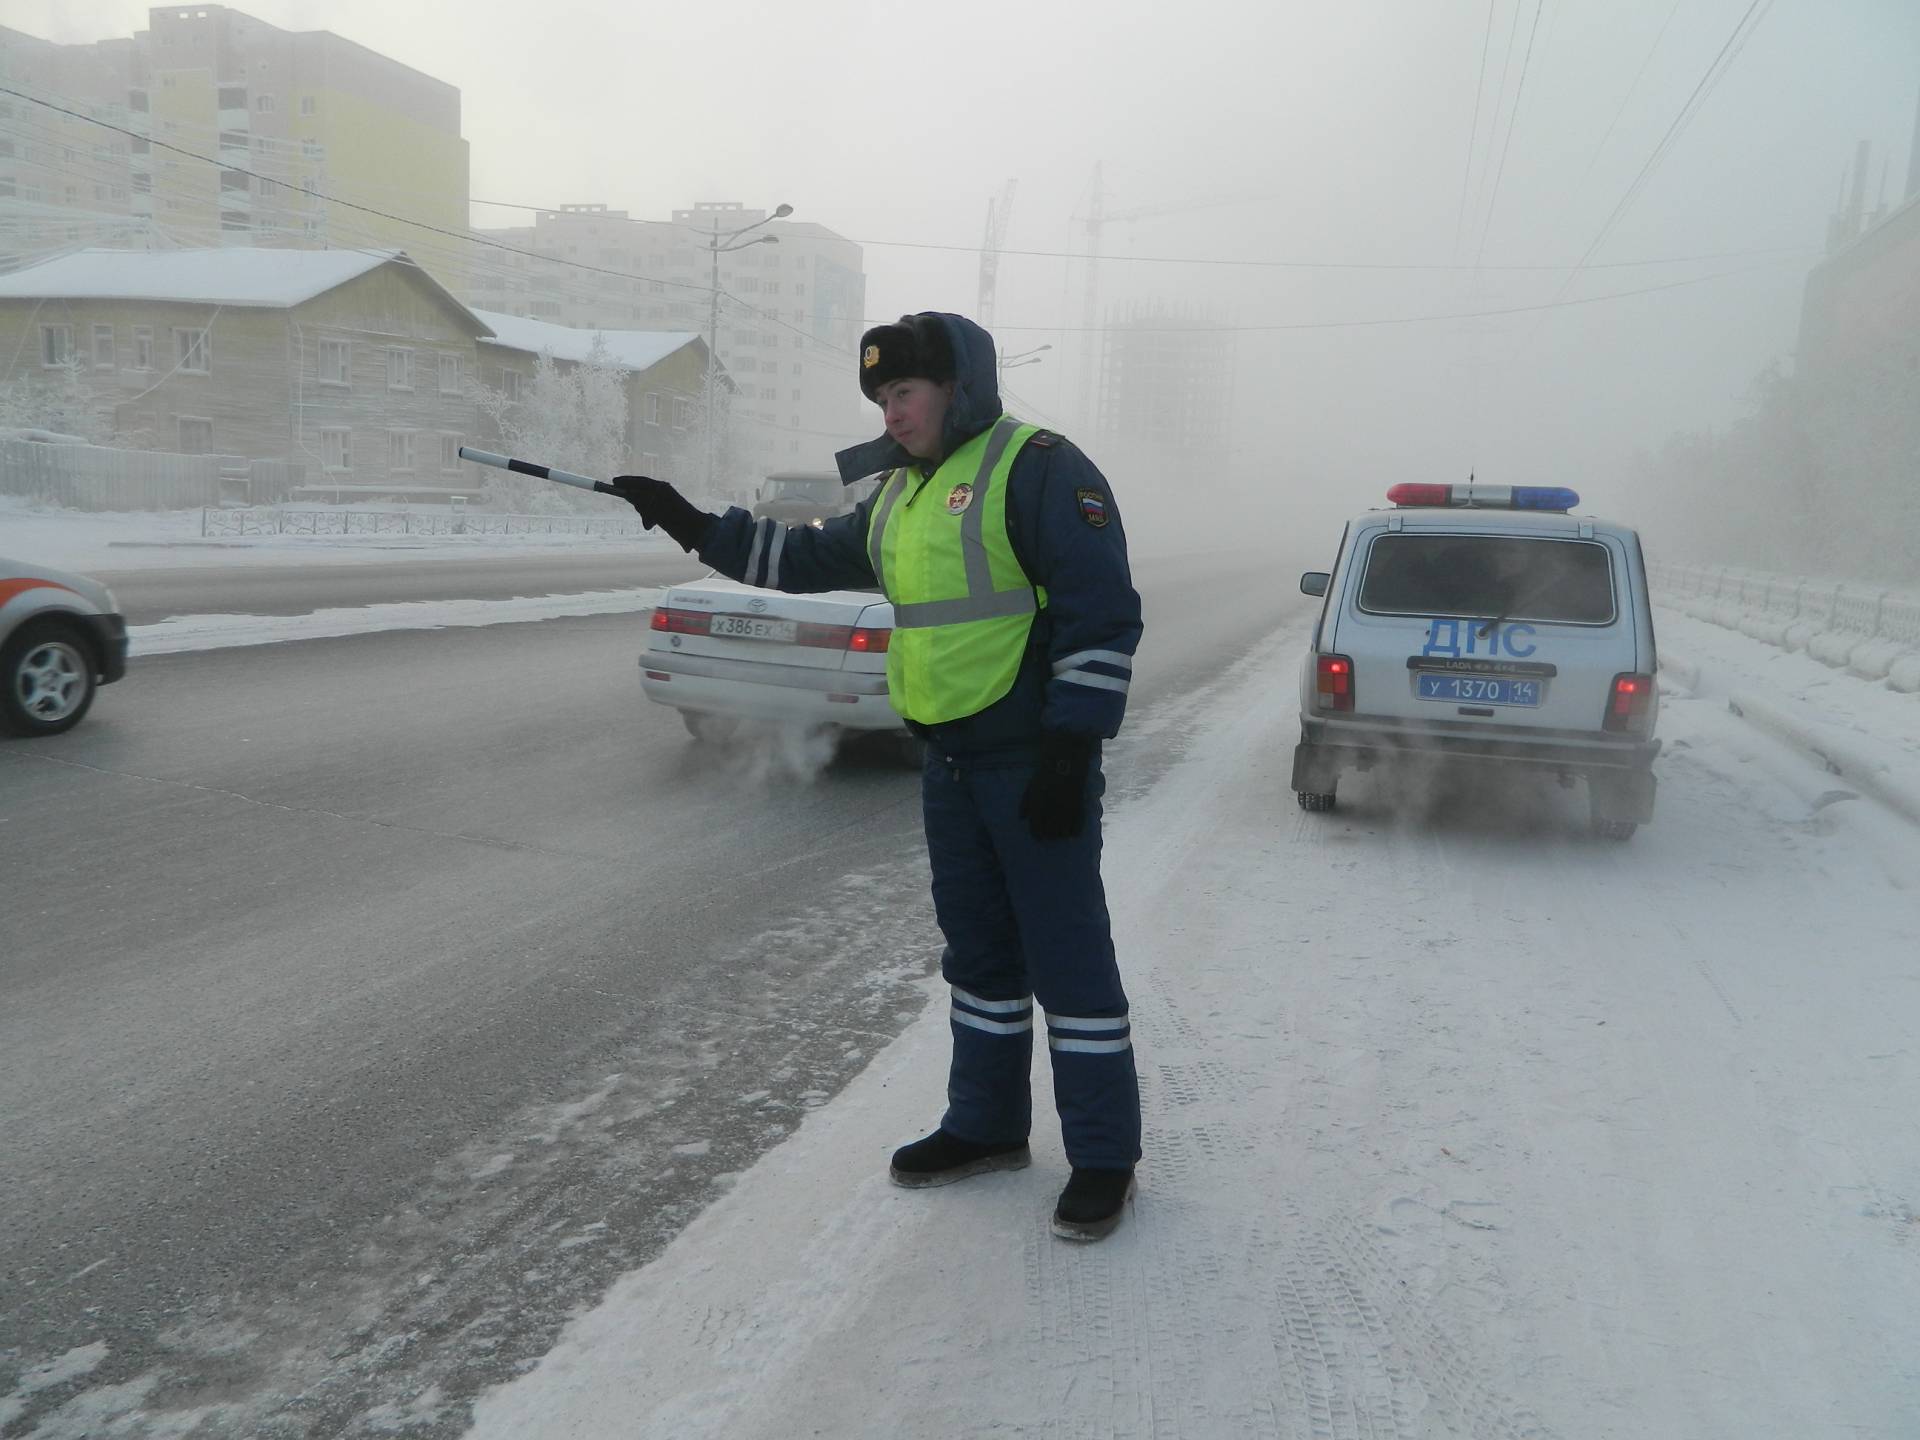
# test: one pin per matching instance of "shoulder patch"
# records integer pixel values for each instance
(1093, 507)
(1045, 439)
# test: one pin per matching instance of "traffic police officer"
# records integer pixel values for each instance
(1015, 622)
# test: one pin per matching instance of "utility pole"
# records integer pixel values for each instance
(714, 251)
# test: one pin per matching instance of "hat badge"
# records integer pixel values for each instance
(871, 358)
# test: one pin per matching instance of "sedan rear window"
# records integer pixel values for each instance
(1506, 577)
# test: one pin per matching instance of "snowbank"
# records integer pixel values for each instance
(1459, 1123)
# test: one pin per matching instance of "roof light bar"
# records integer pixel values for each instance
(1557, 498)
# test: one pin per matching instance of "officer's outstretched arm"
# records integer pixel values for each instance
(800, 558)
(1073, 544)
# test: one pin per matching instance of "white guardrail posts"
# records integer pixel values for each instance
(1871, 631)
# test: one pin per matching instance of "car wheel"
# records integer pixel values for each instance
(47, 671)
(1614, 829)
(709, 729)
(1314, 802)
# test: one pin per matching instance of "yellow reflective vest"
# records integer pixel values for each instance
(962, 605)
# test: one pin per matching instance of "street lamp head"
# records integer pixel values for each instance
(768, 240)
(780, 212)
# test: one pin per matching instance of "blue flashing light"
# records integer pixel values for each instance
(1544, 497)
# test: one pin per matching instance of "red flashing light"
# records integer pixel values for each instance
(1333, 682)
(1411, 494)
(868, 641)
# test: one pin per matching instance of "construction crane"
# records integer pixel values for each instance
(1096, 219)
(998, 213)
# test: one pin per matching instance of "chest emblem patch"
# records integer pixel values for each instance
(1093, 508)
(959, 498)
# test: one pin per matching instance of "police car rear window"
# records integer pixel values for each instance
(1507, 577)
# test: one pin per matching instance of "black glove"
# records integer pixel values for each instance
(1055, 805)
(662, 505)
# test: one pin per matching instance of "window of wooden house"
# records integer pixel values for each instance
(652, 407)
(191, 351)
(450, 452)
(143, 347)
(510, 386)
(336, 449)
(336, 358)
(103, 347)
(682, 412)
(56, 344)
(449, 374)
(399, 368)
(399, 450)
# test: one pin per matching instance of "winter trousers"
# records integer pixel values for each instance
(1026, 921)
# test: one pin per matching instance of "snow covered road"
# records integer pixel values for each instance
(1459, 1123)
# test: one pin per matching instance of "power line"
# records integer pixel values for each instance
(1255, 264)
(1632, 88)
(1556, 304)
(1473, 131)
(1722, 62)
(1513, 122)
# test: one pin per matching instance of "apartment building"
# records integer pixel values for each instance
(265, 116)
(789, 317)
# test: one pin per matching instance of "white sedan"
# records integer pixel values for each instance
(721, 653)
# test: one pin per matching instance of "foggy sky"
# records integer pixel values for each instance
(1338, 131)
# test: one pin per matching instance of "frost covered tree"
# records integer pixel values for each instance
(570, 416)
(1815, 476)
(63, 400)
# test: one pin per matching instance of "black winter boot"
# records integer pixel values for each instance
(1092, 1204)
(941, 1159)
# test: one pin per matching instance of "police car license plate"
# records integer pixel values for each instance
(751, 627)
(1478, 690)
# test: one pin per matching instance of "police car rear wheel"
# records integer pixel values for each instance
(47, 670)
(1314, 802)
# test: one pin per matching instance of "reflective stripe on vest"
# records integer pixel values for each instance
(962, 605)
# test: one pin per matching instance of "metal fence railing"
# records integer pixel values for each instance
(289, 520)
(1872, 630)
(99, 477)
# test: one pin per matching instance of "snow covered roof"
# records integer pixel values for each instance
(229, 275)
(627, 349)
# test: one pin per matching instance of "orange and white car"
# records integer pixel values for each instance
(61, 637)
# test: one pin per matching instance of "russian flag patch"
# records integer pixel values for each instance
(1093, 508)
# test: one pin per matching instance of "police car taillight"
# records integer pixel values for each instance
(869, 641)
(1629, 704)
(1333, 682)
(681, 622)
(1485, 497)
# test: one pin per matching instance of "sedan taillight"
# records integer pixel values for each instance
(681, 622)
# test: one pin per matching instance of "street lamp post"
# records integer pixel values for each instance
(1023, 357)
(714, 251)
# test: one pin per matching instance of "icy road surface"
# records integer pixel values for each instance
(1459, 1124)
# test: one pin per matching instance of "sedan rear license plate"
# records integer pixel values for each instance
(751, 627)
(1478, 690)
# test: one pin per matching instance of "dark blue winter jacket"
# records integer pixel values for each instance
(1065, 530)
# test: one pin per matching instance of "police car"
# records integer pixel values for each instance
(721, 652)
(61, 638)
(1484, 624)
